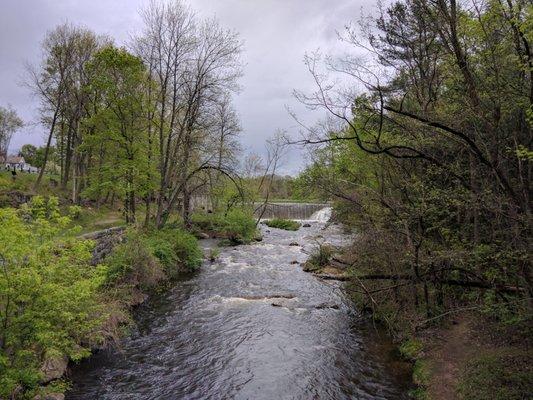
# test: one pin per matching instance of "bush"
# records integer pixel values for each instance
(133, 264)
(50, 296)
(236, 225)
(410, 349)
(207, 222)
(319, 259)
(145, 259)
(177, 250)
(280, 223)
(239, 226)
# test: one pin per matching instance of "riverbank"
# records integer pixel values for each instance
(462, 355)
(67, 291)
(250, 324)
(465, 357)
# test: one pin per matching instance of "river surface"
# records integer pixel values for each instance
(251, 325)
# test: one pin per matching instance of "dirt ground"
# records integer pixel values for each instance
(449, 350)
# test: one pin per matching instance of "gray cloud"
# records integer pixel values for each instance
(277, 34)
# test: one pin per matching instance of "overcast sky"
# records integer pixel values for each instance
(276, 34)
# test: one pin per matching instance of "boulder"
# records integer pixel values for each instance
(293, 244)
(53, 368)
(306, 225)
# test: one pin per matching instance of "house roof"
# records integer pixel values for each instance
(14, 160)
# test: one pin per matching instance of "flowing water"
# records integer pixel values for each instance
(251, 325)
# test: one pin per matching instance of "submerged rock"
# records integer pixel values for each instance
(324, 305)
(306, 225)
(294, 244)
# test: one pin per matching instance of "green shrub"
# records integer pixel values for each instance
(239, 226)
(176, 249)
(50, 295)
(410, 349)
(207, 222)
(74, 212)
(280, 223)
(133, 264)
(319, 259)
(214, 253)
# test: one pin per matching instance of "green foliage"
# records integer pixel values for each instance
(411, 348)
(214, 253)
(208, 222)
(320, 258)
(144, 260)
(118, 128)
(176, 249)
(280, 223)
(497, 377)
(35, 155)
(48, 292)
(132, 264)
(421, 373)
(237, 225)
(437, 192)
(74, 212)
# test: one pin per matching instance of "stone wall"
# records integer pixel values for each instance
(105, 240)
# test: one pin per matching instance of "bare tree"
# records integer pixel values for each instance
(9, 124)
(275, 152)
(195, 64)
(58, 82)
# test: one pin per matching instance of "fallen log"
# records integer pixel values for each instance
(333, 277)
(449, 282)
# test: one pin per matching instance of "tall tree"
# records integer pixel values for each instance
(437, 145)
(119, 79)
(194, 64)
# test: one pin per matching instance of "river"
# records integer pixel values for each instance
(251, 325)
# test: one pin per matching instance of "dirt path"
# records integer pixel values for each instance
(455, 346)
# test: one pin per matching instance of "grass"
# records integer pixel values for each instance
(421, 377)
(503, 376)
(96, 219)
(410, 349)
(280, 223)
(319, 259)
(25, 181)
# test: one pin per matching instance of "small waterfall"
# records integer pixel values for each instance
(322, 215)
(299, 211)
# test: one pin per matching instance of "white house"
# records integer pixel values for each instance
(18, 163)
(15, 162)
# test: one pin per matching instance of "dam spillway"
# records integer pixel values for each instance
(288, 210)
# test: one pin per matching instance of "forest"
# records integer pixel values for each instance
(424, 154)
(427, 154)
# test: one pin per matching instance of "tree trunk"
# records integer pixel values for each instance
(47, 149)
